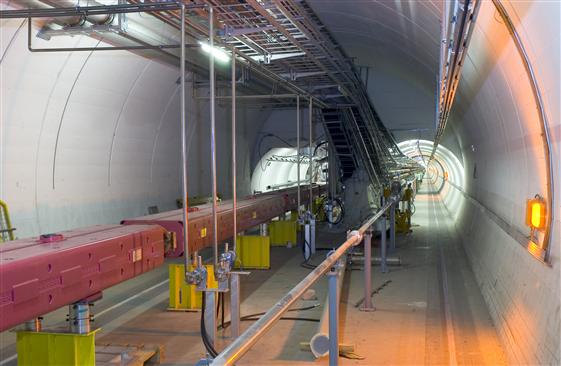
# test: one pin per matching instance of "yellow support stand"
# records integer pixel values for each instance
(253, 252)
(282, 232)
(184, 297)
(55, 349)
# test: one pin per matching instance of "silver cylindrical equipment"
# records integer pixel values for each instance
(79, 317)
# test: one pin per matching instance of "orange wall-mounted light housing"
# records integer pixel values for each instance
(536, 213)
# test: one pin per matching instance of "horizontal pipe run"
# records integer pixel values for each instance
(243, 343)
(95, 10)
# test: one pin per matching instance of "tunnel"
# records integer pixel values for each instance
(421, 136)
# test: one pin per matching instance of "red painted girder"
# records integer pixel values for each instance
(252, 211)
(39, 276)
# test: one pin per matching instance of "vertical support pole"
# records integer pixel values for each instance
(333, 318)
(298, 149)
(311, 153)
(263, 229)
(392, 228)
(307, 241)
(184, 144)
(313, 234)
(210, 316)
(235, 304)
(234, 170)
(34, 325)
(213, 137)
(383, 244)
(79, 317)
(367, 304)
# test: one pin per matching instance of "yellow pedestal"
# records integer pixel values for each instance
(183, 296)
(283, 232)
(253, 252)
(55, 349)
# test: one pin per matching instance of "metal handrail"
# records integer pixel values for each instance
(244, 342)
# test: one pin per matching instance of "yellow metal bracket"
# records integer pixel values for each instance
(182, 296)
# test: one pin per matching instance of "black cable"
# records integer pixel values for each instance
(210, 349)
(252, 317)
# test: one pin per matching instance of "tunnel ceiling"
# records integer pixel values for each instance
(398, 41)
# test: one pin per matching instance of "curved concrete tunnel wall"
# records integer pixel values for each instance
(494, 129)
(496, 124)
(91, 138)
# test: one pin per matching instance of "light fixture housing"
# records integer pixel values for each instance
(536, 213)
(218, 53)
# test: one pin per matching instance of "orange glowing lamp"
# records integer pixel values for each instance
(536, 213)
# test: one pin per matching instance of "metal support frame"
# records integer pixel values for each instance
(79, 317)
(210, 315)
(235, 302)
(383, 244)
(392, 227)
(243, 343)
(332, 277)
(264, 229)
(367, 267)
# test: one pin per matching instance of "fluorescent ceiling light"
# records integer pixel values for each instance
(218, 53)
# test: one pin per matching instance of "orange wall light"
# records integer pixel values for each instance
(536, 213)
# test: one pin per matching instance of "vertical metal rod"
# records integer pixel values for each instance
(235, 304)
(367, 305)
(298, 148)
(310, 152)
(392, 227)
(333, 319)
(213, 137)
(234, 170)
(383, 244)
(184, 144)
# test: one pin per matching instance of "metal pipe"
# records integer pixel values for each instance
(183, 112)
(298, 148)
(96, 10)
(213, 137)
(234, 170)
(243, 343)
(311, 153)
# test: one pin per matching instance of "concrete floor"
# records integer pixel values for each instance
(430, 313)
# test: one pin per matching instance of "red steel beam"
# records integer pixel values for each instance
(252, 211)
(39, 275)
